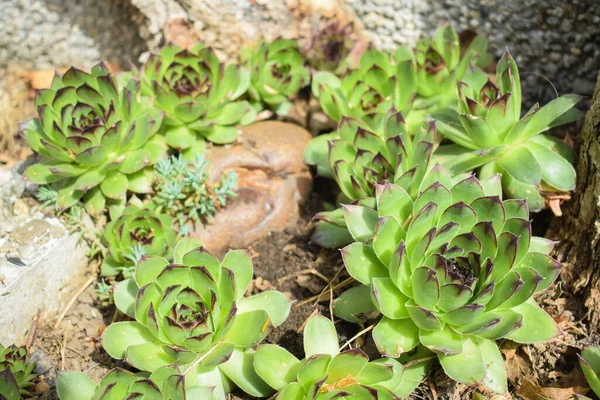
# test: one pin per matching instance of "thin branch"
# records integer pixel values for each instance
(359, 334)
(79, 292)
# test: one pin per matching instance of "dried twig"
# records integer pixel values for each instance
(79, 292)
(63, 346)
(32, 331)
(318, 297)
(301, 328)
(359, 334)
(311, 271)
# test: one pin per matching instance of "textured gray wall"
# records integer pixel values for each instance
(42, 34)
(559, 39)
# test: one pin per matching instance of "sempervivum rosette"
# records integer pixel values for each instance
(327, 372)
(16, 373)
(277, 74)
(454, 270)
(194, 312)
(199, 95)
(489, 134)
(361, 158)
(97, 139)
(136, 232)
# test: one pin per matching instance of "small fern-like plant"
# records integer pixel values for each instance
(184, 192)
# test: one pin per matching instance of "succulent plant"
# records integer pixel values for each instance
(194, 312)
(326, 372)
(165, 383)
(418, 83)
(361, 158)
(96, 138)
(364, 94)
(589, 361)
(453, 271)
(489, 134)
(134, 233)
(16, 373)
(184, 192)
(367, 92)
(438, 63)
(330, 46)
(199, 95)
(277, 74)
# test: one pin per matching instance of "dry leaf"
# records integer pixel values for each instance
(531, 391)
(518, 366)
(40, 79)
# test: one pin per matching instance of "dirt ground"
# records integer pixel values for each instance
(288, 262)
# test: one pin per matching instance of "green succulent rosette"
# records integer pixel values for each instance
(360, 159)
(278, 73)
(453, 271)
(16, 373)
(367, 92)
(96, 138)
(589, 362)
(326, 372)
(165, 383)
(194, 312)
(200, 97)
(420, 83)
(134, 233)
(439, 62)
(364, 94)
(490, 135)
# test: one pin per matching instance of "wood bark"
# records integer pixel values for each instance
(579, 229)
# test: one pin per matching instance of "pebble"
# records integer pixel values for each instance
(43, 362)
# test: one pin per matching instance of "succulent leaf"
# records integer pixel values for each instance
(589, 361)
(194, 313)
(92, 132)
(492, 136)
(457, 273)
(327, 373)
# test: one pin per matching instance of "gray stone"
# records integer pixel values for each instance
(41, 264)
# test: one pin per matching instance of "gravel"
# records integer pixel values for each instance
(45, 34)
(555, 41)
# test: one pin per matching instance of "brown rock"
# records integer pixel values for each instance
(273, 183)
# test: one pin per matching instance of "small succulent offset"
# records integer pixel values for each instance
(438, 63)
(489, 134)
(194, 312)
(369, 91)
(16, 373)
(364, 94)
(134, 233)
(97, 139)
(165, 383)
(589, 361)
(200, 96)
(361, 158)
(277, 74)
(330, 46)
(183, 191)
(454, 270)
(328, 373)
